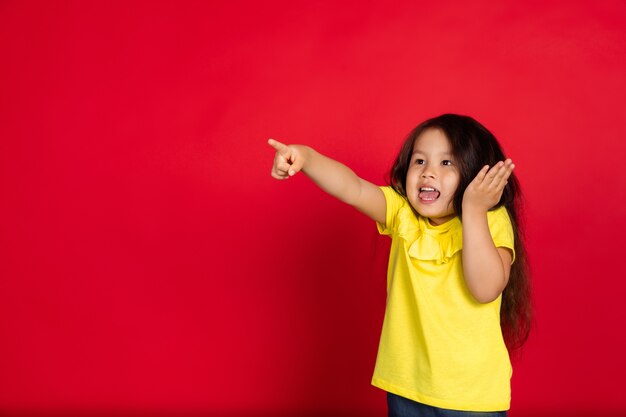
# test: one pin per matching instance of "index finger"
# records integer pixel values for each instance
(280, 147)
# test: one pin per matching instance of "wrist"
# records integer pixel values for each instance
(304, 153)
(470, 210)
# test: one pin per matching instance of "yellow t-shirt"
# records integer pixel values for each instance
(439, 346)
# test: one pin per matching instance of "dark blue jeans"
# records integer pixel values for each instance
(403, 407)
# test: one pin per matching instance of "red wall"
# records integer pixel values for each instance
(149, 262)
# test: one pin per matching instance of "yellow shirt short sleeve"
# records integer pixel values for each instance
(395, 202)
(501, 230)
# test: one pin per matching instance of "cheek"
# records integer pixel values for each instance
(410, 177)
(410, 187)
(451, 196)
(455, 178)
(453, 184)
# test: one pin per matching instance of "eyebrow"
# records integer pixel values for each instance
(439, 154)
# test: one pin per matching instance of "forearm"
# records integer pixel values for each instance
(483, 267)
(331, 176)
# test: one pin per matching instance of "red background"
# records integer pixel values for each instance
(149, 263)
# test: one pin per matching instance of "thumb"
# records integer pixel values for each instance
(297, 162)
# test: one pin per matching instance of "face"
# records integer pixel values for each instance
(433, 177)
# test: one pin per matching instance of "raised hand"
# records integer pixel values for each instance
(485, 190)
(288, 161)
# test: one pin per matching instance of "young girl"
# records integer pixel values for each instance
(457, 286)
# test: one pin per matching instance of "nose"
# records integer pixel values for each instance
(428, 172)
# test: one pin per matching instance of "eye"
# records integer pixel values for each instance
(419, 161)
(446, 162)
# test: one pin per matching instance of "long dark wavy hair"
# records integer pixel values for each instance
(473, 147)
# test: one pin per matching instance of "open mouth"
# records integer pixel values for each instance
(428, 194)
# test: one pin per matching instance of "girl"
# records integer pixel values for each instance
(457, 287)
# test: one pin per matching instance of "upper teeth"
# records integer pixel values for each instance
(427, 189)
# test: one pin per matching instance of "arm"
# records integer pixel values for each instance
(331, 176)
(485, 267)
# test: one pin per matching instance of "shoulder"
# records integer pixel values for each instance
(501, 229)
(392, 196)
(398, 211)
(498, 218)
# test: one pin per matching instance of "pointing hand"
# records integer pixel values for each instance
(288, 161)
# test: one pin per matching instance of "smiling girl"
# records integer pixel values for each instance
(458, 292)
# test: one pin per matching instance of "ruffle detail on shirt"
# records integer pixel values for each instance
(426, 244)
(439, 249)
